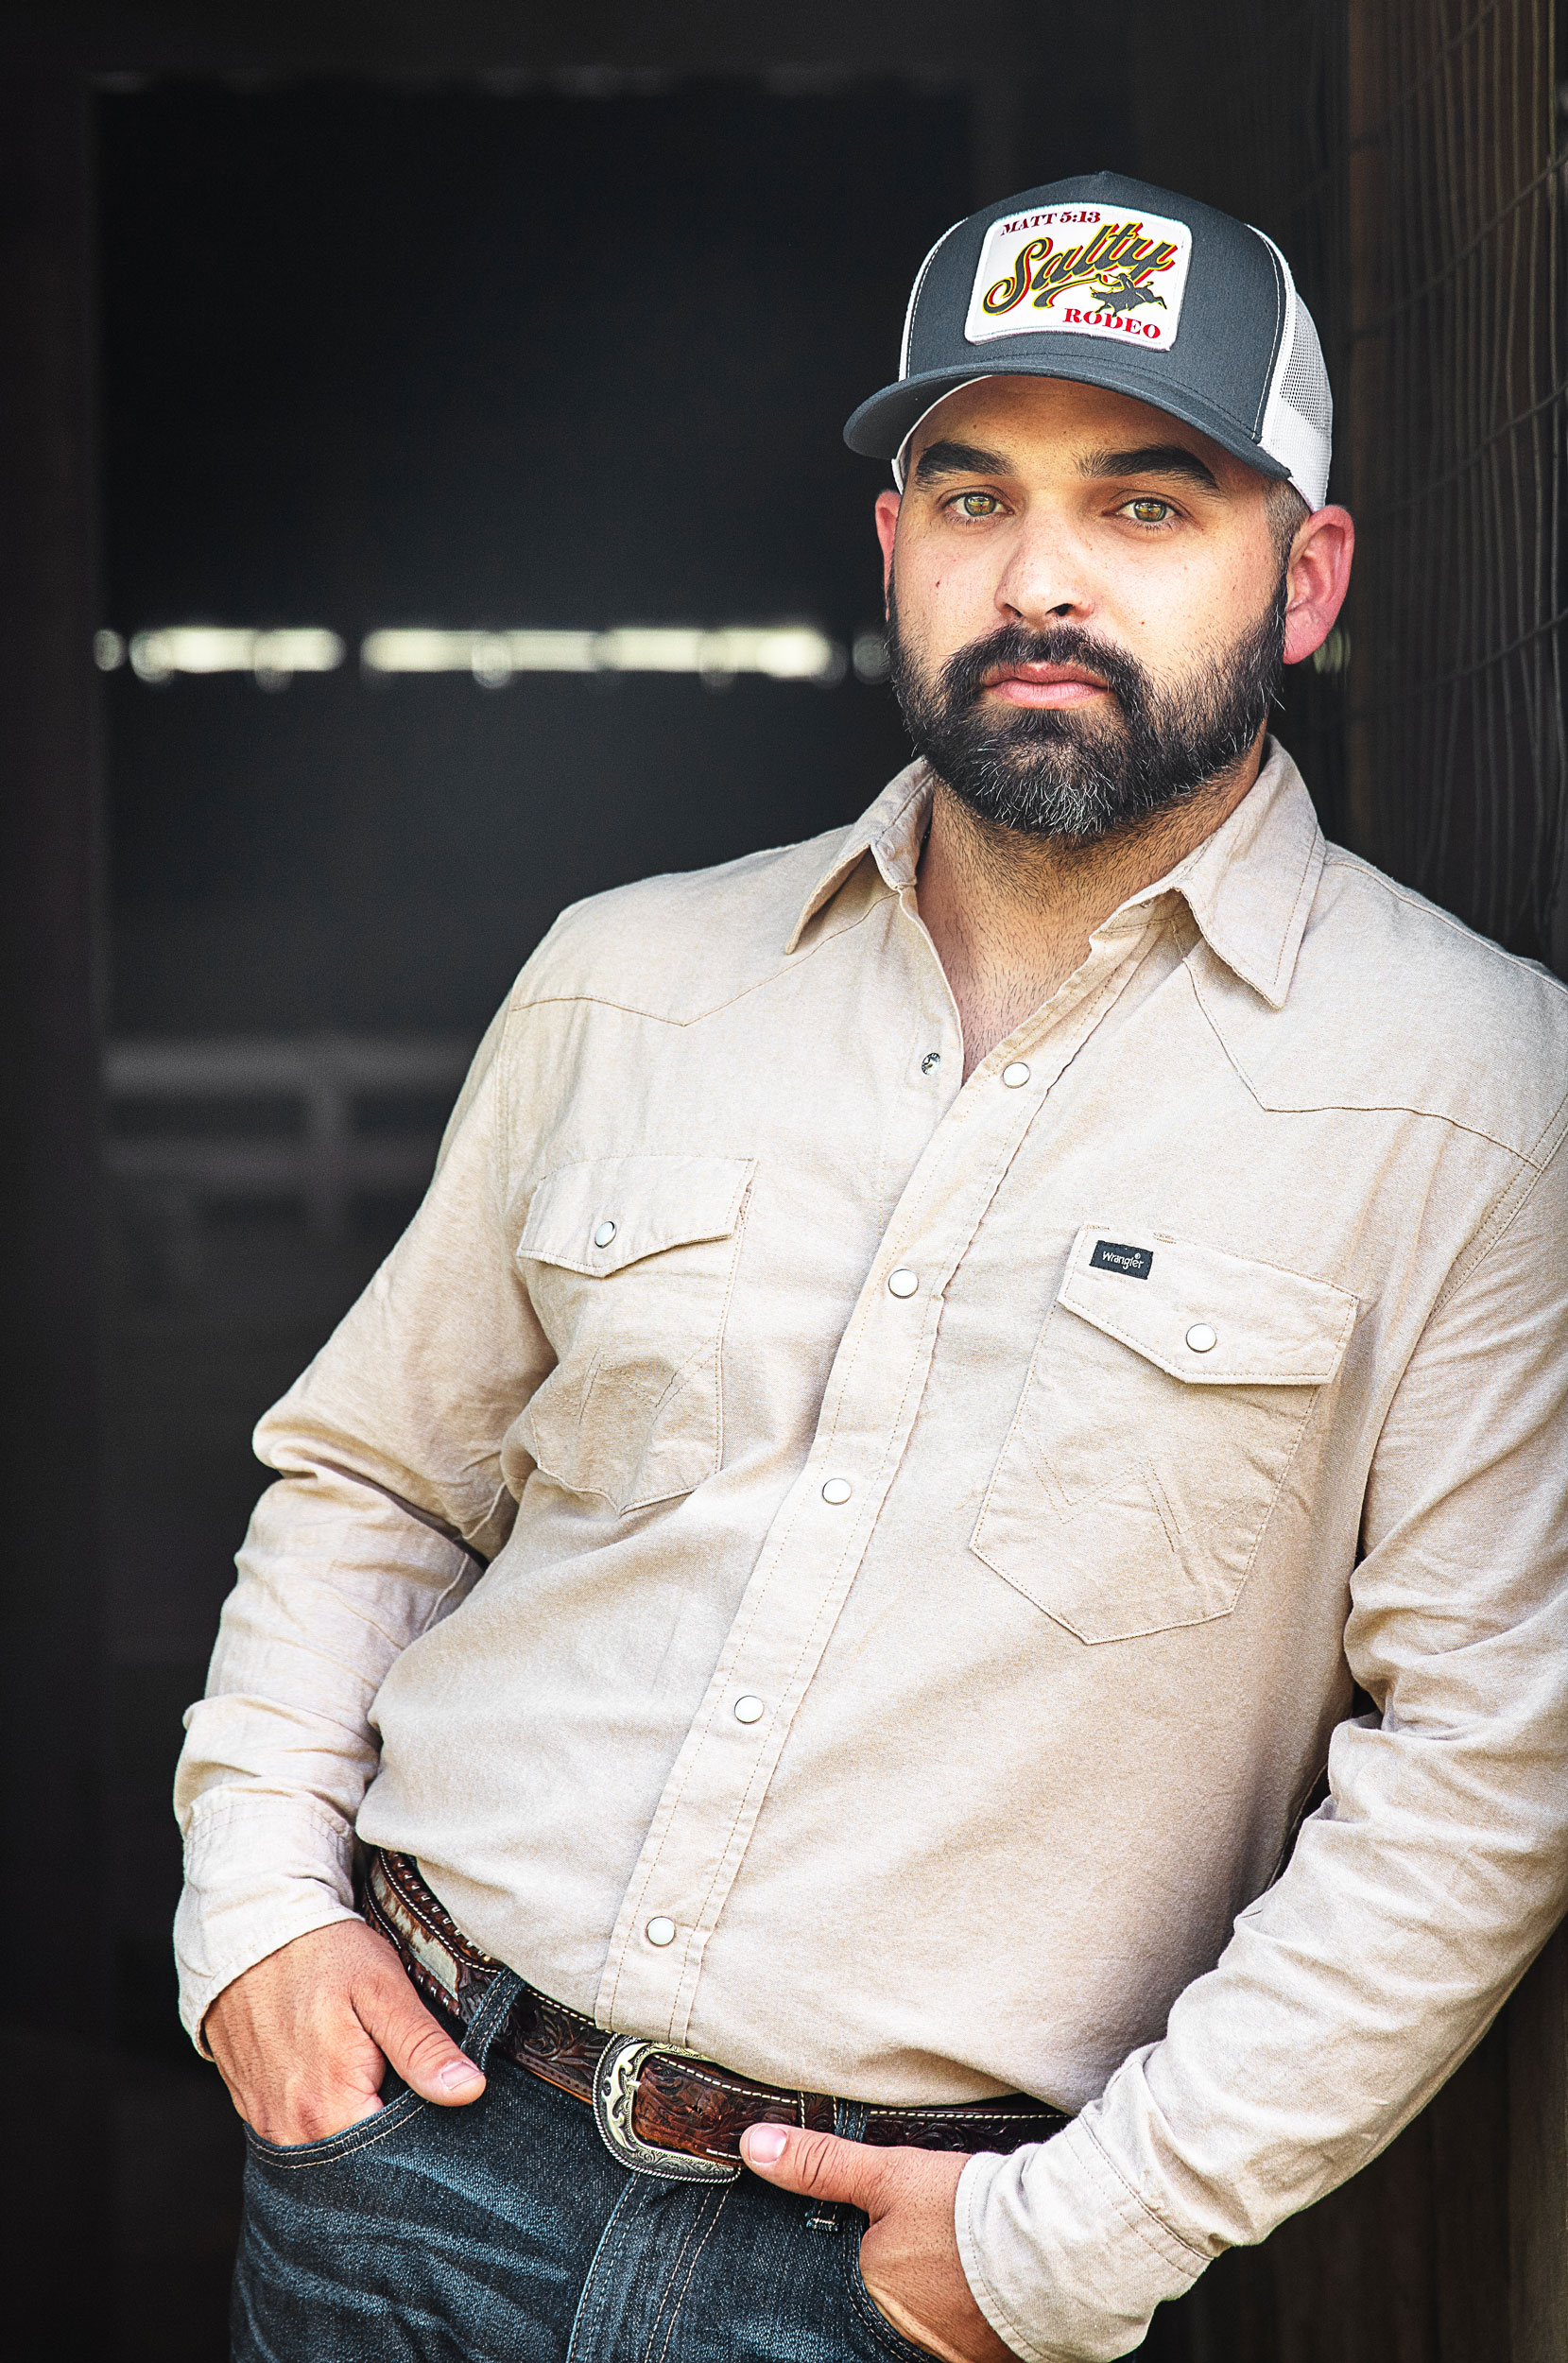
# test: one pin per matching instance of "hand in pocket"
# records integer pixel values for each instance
(304, 2040)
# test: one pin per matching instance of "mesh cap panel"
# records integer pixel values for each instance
(1305, 385)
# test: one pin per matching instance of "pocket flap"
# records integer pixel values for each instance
(609, 1212)
(1214, 1319)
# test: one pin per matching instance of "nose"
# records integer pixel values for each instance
(1045, 578)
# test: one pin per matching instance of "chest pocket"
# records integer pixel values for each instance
(628, 1263)
(1164, 1405)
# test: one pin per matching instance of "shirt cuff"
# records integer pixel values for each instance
(1064, 2260)
(260, 1870)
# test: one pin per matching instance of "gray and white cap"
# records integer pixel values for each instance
(1117, 283)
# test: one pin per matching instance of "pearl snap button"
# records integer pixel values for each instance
(660, 1930)
(1201, 1338)
(749, 1710)
(903, 1283)
(931, 1062)
(1014, 1075)
(835, 1491)
(603, 1235)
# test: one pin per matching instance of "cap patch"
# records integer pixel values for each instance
(1092, 269)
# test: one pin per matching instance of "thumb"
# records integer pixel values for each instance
(417, 2046)
(819, 2165)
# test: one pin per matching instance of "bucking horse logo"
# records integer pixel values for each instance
(1123, 291)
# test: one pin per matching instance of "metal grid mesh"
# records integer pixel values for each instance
(1407, 155)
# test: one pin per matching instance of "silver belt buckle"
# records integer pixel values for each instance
(615, 2090)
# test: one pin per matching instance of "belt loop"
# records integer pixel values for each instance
(492, 2015)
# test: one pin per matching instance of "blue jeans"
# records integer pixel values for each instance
(506, 2232)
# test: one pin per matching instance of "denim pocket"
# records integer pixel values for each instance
(332, 2146)
(885, 2338)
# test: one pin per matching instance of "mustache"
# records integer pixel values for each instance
(963, 677)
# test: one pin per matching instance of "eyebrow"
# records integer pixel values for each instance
(946, 458)
(1149, 459)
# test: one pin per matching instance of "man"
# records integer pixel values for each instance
(824, 1573)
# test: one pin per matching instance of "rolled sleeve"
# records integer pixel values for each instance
(1065, 2261)
(259, 1872)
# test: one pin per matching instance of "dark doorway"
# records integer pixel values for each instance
(481, 358)
(473, 358)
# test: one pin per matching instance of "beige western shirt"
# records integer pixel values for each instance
(859, 1573)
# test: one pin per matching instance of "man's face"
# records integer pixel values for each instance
(1085, 602)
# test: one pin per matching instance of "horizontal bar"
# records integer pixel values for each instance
(164, 1069)
(297, 1167)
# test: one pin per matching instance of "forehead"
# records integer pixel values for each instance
(1045, 423)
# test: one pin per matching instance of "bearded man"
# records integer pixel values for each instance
(805, 1614)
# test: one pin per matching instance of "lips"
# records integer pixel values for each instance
(1045, 673)
(1045, 685)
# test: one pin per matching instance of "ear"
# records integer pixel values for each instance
(887, 505)
(1318, 578)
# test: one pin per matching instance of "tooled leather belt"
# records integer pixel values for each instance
(660, 2109)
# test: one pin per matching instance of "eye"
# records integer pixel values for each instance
(1148, 509)
(977, 505)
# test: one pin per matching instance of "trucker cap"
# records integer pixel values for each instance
(1119, 284)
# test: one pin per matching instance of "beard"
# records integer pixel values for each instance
(1057, 771)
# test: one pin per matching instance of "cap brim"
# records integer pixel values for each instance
(882, 424)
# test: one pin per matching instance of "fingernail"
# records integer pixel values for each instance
(458, 2073)
(763, 2145)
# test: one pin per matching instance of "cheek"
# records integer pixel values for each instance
(950, 594)
(1177, 613)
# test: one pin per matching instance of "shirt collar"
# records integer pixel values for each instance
(892, 831)
(1249, 886)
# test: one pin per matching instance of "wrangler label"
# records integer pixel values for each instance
(1133, 1263)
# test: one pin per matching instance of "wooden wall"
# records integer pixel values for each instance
(1401, 151)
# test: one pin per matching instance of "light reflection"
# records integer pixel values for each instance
(775, 651)
(273, 657)
(779, 651)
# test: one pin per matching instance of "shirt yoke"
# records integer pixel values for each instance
(1396, 1005)
(679, 946)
